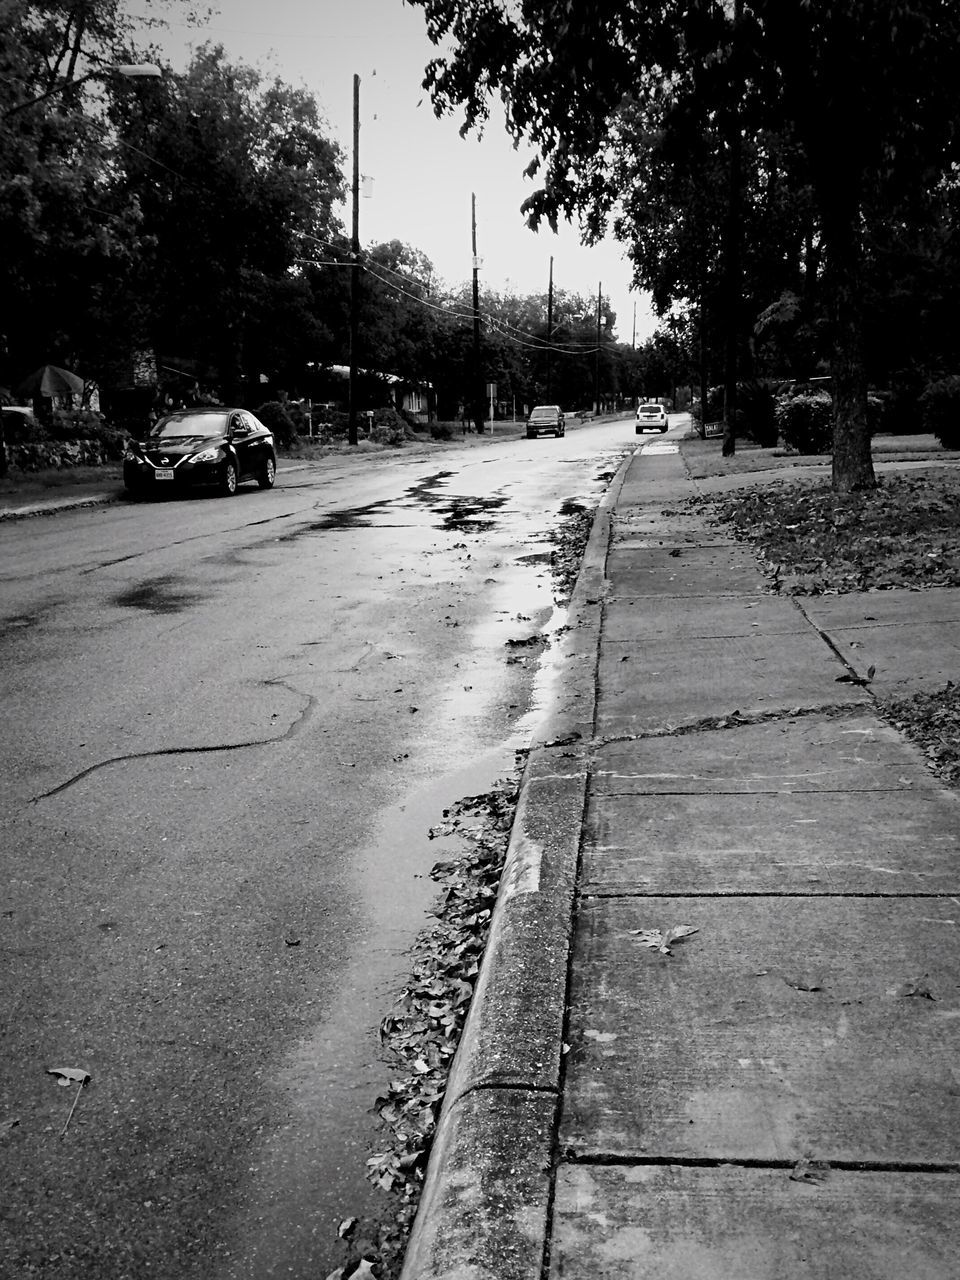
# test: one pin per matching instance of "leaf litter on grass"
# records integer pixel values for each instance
(812, 541)
(905, 533)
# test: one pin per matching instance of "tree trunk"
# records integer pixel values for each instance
(704, 372)
(852, 458)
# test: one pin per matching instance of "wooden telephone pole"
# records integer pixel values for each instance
(355, 270)
(596, 380)
(478, 385)
(549, 396)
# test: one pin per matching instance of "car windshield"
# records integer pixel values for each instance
(649, 408)
(204, 422)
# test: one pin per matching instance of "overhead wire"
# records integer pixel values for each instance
(501, 327)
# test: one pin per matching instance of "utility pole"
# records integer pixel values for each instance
(354, 270)
(548, 397)
(731, 246)
(596, 381)
(634, 344)
(478, 387)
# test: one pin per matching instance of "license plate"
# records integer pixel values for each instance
(164, 473)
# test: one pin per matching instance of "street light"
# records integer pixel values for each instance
(128, 70)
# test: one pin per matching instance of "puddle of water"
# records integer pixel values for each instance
(452, 512)
(156, 595)
(331, 1080)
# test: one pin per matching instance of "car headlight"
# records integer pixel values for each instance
(206, 455)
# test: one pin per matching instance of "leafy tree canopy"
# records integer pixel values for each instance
(846, 108)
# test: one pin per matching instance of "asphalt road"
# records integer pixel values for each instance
(228, 727)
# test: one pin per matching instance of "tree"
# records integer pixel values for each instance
(67, 225)
(237, 183)
(862, 92)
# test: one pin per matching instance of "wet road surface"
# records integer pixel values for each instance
(229, 726)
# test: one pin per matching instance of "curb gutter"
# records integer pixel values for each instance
(484, 1210)
(52, 506)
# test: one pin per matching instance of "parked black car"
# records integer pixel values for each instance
(194, 447)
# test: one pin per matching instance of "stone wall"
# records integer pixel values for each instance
(59, 454)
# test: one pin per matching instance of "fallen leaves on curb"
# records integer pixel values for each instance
(662, 942)
(569, 540)
(421, 1032)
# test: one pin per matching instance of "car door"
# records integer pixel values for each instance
(259, 451)
(244, 443)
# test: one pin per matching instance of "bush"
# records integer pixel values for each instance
(805, 421)
(275, 418)
(388, 426)
(940, 410)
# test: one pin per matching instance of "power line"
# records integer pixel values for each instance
(503, 327)
(496, 325)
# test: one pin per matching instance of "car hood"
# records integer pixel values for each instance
(179, 446)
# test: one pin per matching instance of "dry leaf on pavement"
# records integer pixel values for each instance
(813, 1171)
(69, 1075)
(662, 942)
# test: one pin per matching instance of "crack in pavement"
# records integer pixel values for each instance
(291, 731)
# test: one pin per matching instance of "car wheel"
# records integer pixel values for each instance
(268, 475)
(662, 430)
(228, 483)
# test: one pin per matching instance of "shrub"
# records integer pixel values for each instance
(275, 418)
(388, 427)
(805, 421)
(940, 410)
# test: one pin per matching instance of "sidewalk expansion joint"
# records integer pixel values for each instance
(737, 719)
(909, 786)
(771, 894)
(609, 1160)
(825, 636)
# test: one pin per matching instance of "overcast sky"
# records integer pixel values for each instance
(423, 172)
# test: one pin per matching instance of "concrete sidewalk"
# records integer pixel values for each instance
(776, 1094)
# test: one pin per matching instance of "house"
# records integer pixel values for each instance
(407, 395)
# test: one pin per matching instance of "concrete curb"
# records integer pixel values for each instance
(56, 505)
(484, 1210)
